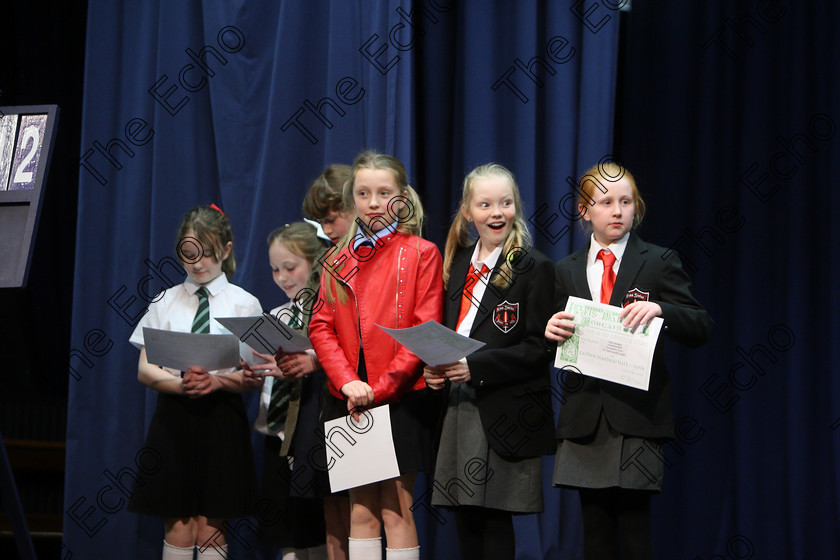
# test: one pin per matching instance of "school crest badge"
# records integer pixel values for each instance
(506, 315)
(635, 295)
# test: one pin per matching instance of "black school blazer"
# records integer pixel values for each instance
(647, 272)
(510, 374)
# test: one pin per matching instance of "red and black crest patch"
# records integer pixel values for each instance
(506, 315)
(635, 295)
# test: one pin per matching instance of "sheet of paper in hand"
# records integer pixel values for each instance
(266, 334)
(601, 347)
(180, 350)
(362, 452)
(433, 343)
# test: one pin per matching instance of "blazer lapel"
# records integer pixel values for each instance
(578, 273)
(457, 277)
(631, 263)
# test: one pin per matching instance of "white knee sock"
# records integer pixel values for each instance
(214, 553)
(176, 552)
(293, 554)
(402, 553)
(365, 549)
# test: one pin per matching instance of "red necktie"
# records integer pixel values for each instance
(608, 279)
(473, 276)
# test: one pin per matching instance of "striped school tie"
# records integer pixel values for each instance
(278, 405)
(201, 322)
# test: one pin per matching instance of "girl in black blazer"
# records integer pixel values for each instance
(610, 435)
(498, 420)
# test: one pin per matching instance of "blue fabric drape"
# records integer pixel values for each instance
(730, 125)
(200, 102)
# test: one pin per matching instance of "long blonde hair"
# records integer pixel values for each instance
(409, 214)
(459, 233)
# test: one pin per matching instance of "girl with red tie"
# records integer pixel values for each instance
(498, 419)
(610, 435)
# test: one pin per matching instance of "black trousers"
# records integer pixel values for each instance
(613, 518)
(484, 534)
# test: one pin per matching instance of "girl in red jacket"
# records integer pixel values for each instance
(381, 273)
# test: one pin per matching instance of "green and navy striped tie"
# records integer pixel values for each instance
(201, 323)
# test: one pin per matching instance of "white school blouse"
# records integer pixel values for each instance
(174, 309)
(595, 267)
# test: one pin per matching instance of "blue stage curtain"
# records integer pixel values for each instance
(730, 115)
(215, 101)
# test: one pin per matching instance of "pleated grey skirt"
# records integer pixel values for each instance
(469, 473)
(608, 459)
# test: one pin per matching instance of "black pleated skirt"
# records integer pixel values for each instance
(206, 460)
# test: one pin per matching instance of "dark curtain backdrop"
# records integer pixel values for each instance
(729, 122)
(163, 132)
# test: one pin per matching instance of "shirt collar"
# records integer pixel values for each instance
(381, 234)
(319, 230)
(616, 248)
(491, 259)
(215, 286)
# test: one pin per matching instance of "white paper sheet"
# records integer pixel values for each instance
(266, 334)
(180, 350)
(601, 347)
(362, 452)
(433, 343)
(247, 354)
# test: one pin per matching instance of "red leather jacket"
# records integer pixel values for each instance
(399, 285)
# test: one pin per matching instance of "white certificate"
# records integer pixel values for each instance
(266, 334)
(601, 347)
(180, 350)
(433, 343)
(362, 452)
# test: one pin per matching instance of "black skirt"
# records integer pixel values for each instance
(415, 423)
(414, 427)
(206, 461)
(284, 519)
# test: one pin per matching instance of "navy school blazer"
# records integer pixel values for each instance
(647, 272)
(510, 374)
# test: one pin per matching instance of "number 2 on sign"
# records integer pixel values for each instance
(31, 133)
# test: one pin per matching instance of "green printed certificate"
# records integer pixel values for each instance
(601, 347)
